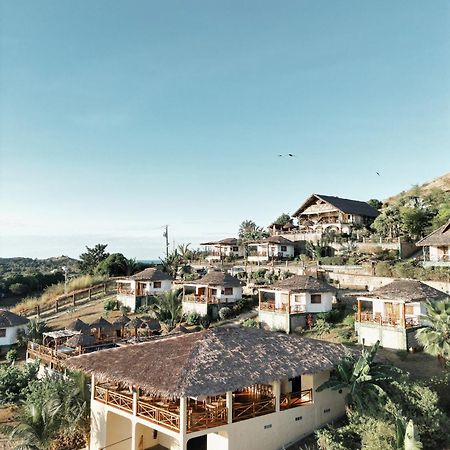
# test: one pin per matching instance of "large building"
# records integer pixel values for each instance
(227, 388)
(436, 247)
(226, 248)
(393, 313)
(321, 213)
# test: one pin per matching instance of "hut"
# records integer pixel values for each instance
(226, 387)
(120, 323)
(80, 341)
(78, 325)
(134, 324)
(10, 325)
(103, 328)
(153, 326)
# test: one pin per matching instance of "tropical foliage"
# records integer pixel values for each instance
(14, 380)
(92, 258)
(435, 339)
(168, 308)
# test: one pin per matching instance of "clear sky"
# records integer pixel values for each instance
(117, 117)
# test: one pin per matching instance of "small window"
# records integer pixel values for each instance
(235, 249)
(409, 309)
(2, 332)
(283, 248)
(228, 291)
(316, 298)
(157, 284)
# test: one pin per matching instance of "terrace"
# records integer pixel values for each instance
(271, 306)
(213, 411)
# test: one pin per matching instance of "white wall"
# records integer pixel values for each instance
(11, 335)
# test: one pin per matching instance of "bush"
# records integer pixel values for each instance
(193, 318)
(11, 355)
(205, 321)
(251, 323)
(125, 310)
(383, 269)
(349, 320)
(14, 381)
(321, 327)
(332, 316)
(225, 313)
(143, 309)
(110, 305)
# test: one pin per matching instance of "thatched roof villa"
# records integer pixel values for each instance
(436, 247)
(224, 248)
(10, 324)
(219, 387)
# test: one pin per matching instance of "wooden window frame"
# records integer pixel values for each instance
(228, 291)
(2, 332)
(314, 298)
(157, 285)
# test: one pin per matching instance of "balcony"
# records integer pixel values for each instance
(193, 298)
(294, 399)
(387, 320)
(291, 309)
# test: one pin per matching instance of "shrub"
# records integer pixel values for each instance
(349, 320)
(193, 318)
(205, 321)
(143, 309)
(110, 304)
(125, 310)
(383, 269)
(225, 313)
(321, 327)
(332, 316)
(251, 323)
(11, 355)
(14, 381)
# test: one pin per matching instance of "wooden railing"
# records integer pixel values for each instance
(200, 299)
(38, 351)
(213, 416)
(161, 416)
(393, 321)
(293, 309)
(254, 409)
(113, 398)
(294, 399)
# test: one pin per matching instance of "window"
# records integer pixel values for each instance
(409, 310)
(235, 249)
(228, 291)
(157, 284)
(2, 332)
(316, 298)
(283, 248)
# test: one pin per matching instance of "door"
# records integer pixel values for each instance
(296, 384)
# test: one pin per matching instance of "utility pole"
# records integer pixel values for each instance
(166, 235)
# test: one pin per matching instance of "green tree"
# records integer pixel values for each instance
(249, 231)
(171, 263)
(387, 224)
(442, 216)
(362, 377)
(92, 258)
(374, 203)
(36, 328)
(435, 339)
(284, 219)
(414, 221)
(168, 308)
(14, 380)
(19, 288)
(114, 265)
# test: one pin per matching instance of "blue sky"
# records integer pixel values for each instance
(117, 117)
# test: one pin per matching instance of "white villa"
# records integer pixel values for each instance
(206, 295)
(320, 213)
(285, 304)
(436, 247)
(226, 248)
(393, 313)
(226, 388)
(10, 324)
(134, 291)
(271, 248)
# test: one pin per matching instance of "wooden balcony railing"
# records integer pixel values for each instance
(387, 320)
(254, 409)
(201, 299)
(161, 416)
(294, 399)
(113, 398)
(293, 309)
(213, 416)
(46, 354)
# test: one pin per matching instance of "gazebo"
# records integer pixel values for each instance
(120, 323)
(135, 323)
(100, 325)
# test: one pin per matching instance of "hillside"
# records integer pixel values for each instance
(442, 183)
(30, 265)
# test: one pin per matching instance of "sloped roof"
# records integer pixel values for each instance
(151, 274)
(345, 205)
(303, 283)
(78, 325)
(280, 240)
(210, 362)
(9, 319)
(408, 291)
(101, 323)
(121, 321)
(217, 278)
(227, 241)
(83, 340)
(441, 236)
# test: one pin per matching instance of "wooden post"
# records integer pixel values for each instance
(56, 305)
(38, 311)
(359, 310)
(104, 288)
(404, 315)
(229, 407)
(90, 294)
(73, 299)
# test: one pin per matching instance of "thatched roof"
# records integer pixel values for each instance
(227, 241)
(279, 240)
(151, 274)
(78, 325)
(101, 323)
(302, 283)
(408, 291)
(344, 205)
(9, 319)
(134, 323)
(217, 278)
(441, 236)
(179, 329)
(121, 321)
(82, 339)
(210, 362)
(152, 324)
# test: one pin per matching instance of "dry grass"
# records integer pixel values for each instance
(28, 305)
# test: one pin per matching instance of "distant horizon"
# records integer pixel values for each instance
(117, 118)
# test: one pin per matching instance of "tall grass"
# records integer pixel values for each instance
(28, 305)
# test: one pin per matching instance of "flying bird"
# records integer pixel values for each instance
(291, 155)
(378, 173)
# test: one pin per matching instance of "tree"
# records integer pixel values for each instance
(249, 231)
(92, 258)
(284, 219)
(362, 377)
(184, 251)
(14, 380)
(414, 221)
(36, 328)
(168, 308)
(171, 263)
(374, 203)
(442, 216)
(387, 224)
(114, 265)
(435, 339)
(18, 288)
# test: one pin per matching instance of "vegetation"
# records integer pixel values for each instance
(14, 381)
(435, 339)
(406, 269)
(284, 219)
(168, 308)
(225, 313)
(92, 258)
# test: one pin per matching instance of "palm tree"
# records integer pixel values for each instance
(435, 339)
(184, 251)
(363, 378)
(131, 266)
(168, 308)
(36, 328)
(171, 263)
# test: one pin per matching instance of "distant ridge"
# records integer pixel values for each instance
(442, 183)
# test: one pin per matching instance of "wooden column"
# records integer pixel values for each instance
(359, 310)
(259, 297)
(56, 305)
(403, 315)
(277, 395)
(229, 407)
(73, 299)
(90, 293)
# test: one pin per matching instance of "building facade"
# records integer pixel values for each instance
(436, 247)
(10, 325)
(229, 248)
(273, 248)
